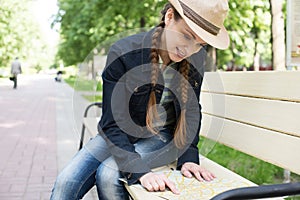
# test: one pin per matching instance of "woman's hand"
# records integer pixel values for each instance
(157, 182)
(190, 169)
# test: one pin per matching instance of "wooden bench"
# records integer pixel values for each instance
(256, 113)
(89, 123)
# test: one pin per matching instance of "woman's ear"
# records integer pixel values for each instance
(169, 16)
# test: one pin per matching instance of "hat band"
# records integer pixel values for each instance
(200, 21)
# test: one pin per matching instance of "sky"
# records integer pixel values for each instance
(43, 10)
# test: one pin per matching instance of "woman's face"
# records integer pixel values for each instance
(179, 39)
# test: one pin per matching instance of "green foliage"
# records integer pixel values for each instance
(10, 39)
(19, 33)
(85, 24)
(38, 68)
(248, 24)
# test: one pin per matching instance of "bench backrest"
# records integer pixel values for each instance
(257, 113)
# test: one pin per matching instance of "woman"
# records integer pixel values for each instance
(151, 113)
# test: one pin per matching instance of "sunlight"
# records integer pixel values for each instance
(11, 124)
(43, 11)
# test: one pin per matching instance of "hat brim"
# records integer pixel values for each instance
(219, 41)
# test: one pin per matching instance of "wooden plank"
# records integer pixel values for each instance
(222, 172)
(268, 84)
(271, 146)
(137, 192)
(282, 116)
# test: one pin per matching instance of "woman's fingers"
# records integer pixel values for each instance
(171, 185)
(198, 176)
(148, 187)
(190, 169)
(157, 182)
(208, 176)
(186, 173)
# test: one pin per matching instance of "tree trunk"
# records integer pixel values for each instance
(142, 22)
(256, 58)
(278, 35)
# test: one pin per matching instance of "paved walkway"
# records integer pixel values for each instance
(39, 131)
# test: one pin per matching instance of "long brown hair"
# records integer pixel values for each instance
(180, 131)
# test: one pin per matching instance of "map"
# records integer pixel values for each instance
(192, 189)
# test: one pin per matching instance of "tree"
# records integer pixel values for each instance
(260, 31)
(85, 24)
(278, 35)
(19, 33)
(248, 25)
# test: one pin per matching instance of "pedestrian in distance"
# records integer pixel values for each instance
(58, 77)
(151, 113)
(15, 71)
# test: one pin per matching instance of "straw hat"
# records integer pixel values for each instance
(205, 18)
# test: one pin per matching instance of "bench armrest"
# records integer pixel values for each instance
(99, 105)
(258, 192)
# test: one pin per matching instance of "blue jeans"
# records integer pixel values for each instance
(93, 164)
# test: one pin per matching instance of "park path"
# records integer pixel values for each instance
(39, 129)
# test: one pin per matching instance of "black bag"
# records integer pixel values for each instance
(12, 78)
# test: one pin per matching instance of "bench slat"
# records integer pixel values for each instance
(282, 116)
(270, 84)
(270, 146)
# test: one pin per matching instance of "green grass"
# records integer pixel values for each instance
(86, 86)
(80, 84)
(97, 98)
(293, 198)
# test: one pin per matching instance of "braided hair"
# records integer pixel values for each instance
(152, 115)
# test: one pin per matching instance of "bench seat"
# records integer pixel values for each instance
(138, 192)
(253, 112)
